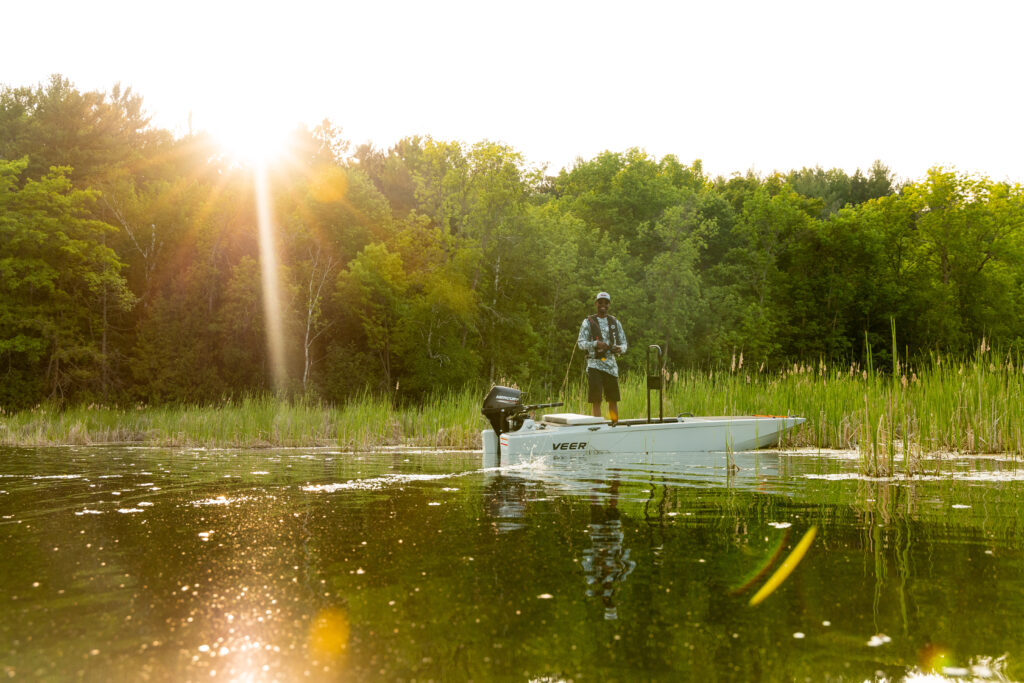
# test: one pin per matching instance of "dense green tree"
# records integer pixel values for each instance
(372, 293)
(967, 253)
(241, 347)
(133, 269)
(391, 173)
(836, 189)
(438, 341)
(97, 135)
(617, 193)
(675, 300)
(327, 213)
(59, 282)
(178, 353)
(753, 293)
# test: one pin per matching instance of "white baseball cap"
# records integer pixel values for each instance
(602, 295)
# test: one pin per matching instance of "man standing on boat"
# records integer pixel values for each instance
(602, 337)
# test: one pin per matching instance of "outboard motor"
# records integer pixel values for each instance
(504, 408)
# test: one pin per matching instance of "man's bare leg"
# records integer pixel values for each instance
(597, 409)
(613, 411)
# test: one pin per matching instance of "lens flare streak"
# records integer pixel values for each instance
(271, 279)
(786, 568)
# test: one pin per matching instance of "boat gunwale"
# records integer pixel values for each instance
(667, 423)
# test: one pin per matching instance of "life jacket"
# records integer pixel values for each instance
(595, 330)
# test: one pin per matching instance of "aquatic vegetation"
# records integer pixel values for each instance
(368, 422)
(973, 405)
(967, 405)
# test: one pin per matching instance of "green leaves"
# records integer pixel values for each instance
(58, 280)
(131, 269)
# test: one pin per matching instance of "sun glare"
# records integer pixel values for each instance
(248, 139)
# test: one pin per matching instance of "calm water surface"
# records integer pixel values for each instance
(152, 564)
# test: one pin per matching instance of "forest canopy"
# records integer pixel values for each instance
(130, 264)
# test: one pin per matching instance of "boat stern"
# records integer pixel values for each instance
(490, 444)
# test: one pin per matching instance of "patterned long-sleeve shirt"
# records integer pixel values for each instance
(603, 360)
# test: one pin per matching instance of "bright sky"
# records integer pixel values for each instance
(741, 85)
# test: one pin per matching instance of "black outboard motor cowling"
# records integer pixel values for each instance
(504, 408)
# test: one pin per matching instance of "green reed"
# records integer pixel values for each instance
(969, 405)
(962, 405)
(448, 420)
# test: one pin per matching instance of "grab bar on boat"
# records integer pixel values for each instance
(655, 382)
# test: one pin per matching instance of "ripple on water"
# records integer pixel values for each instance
(223, 578)
(226, 500)
(378, 483)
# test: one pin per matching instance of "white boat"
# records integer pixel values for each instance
(516, 437)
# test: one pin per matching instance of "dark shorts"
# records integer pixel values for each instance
(600, 381)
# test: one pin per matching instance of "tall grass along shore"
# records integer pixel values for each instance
(449, 420)
(973, 405)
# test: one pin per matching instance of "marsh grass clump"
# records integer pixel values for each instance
(892, 418)
(368, 421)
(968, 406)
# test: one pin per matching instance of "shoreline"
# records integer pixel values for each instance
(974, 406)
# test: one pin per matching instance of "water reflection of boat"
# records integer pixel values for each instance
(505, 502)
(516, 437)
(605, 563)
(577, 472)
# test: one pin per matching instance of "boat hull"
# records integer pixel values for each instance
(694, 434)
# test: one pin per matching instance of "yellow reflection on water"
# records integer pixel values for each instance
(328, 634)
